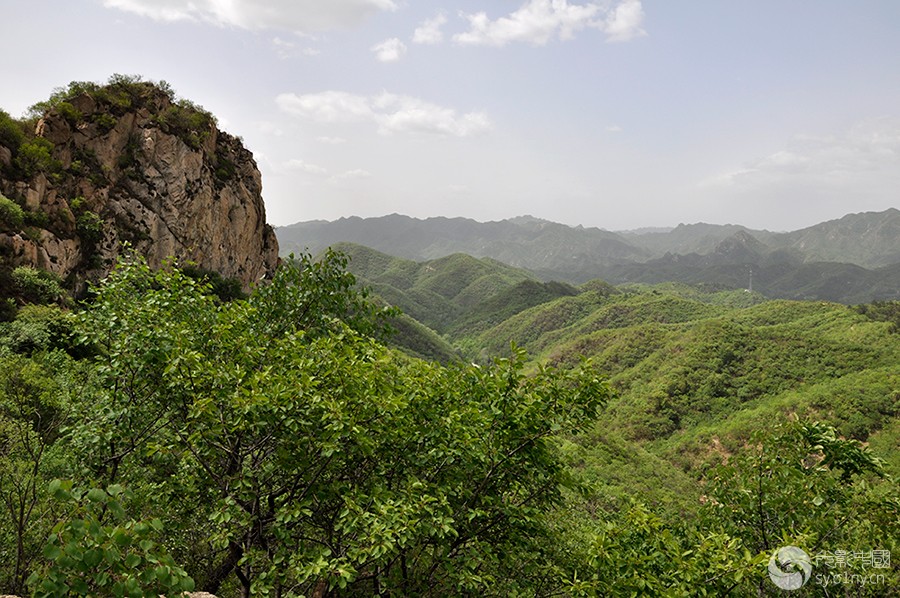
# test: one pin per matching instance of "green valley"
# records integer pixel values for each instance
(685, 361)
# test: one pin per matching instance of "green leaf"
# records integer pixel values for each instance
(96, 495)
(52, 552)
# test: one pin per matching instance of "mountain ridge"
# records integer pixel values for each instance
(802, 264)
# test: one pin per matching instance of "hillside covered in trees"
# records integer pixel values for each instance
(855, 259)
(163, 439)
(358, 424)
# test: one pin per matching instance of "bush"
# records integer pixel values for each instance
(7, 309)
(226, 289)
(69, 112)
(37, 328)
(12, 217)
(37, 219)
(37, 286)
(101, 552)
(11, 133)
(104, 121)
(89, 227)
(35, 155)
(188, 121)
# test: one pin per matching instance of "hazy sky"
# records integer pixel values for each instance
(623, 113)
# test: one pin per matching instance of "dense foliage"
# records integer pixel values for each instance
(278, 447)
(171, 437)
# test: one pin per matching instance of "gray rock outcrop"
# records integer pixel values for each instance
(156, 174)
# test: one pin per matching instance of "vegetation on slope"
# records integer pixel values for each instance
(436, 293)
(278, 446)
(850, 260)
(270, 444)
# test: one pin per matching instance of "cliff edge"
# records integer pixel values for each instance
(99, 166)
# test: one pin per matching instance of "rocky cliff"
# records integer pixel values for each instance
(128, 163)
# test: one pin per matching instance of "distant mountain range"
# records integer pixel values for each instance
(853, 259)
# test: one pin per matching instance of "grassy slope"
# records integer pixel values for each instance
(436, 292)
(697, 373)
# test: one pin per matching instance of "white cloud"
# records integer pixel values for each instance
(864, 155)
(269, 128)
(331, 140)
(304, 167)
(429, 31)
(358, 173)
(287, 49)
(390, 50)
(405, 114)
(327, 106)
(614, 129)
(392, 113)
(287, 15)
(539, 21)
(297, 165)
(623, 23)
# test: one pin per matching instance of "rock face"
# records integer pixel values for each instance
(132, 165)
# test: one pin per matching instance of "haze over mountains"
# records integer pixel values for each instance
(851, 260)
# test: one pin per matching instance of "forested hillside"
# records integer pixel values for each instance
(695, 368)
(164, 440)
(850, 260)
(701, 379)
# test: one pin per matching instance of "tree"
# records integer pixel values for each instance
(802, 485)
(98, 551)
(799, 485)
(30, 418)
(285, 448)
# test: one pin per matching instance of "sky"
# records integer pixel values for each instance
(618, 114)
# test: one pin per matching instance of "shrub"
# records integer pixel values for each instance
(37, 219)
(89, 227)
(99, 551)
(76, 204)
(11, 133)
(104, 121)
(225, 168)
(37, 328)
(12, 217)
(7, 309)
(35, 155)
(37, 286)
(188, 121)
(69, 112)
(226, 289)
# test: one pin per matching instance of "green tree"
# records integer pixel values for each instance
(317, 459)
(12, 217)
(11, 132)
(31, 414)
(803, 485)
(799, 485)
(98, 551)
(35, 156)
(38, 286)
